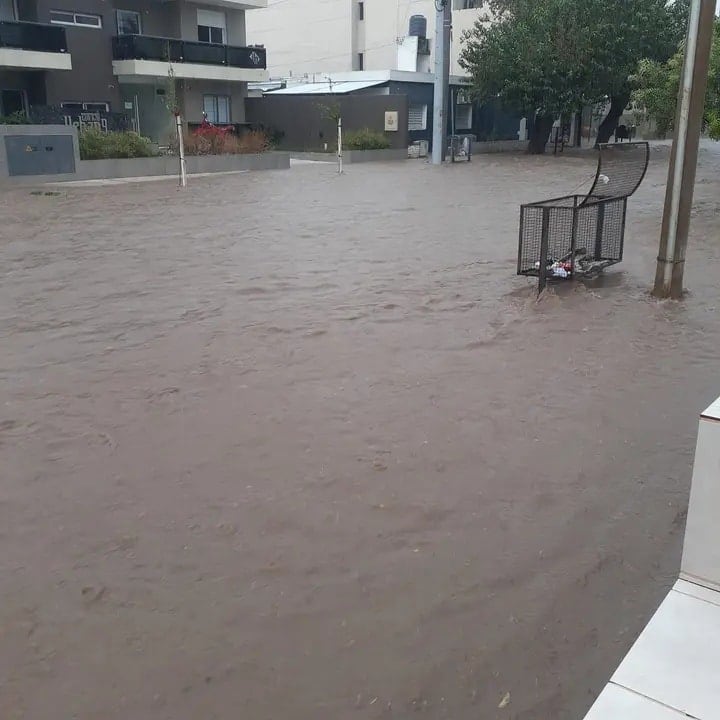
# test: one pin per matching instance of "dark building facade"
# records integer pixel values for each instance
(297, 115)
(134, 58)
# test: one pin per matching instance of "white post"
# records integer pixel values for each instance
(181, 149)
(340, 147)
(522, 132)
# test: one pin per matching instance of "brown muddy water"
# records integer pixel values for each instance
(294, 446)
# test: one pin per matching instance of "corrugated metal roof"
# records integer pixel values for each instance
(326, 88)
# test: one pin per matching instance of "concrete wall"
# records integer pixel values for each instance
(305, 36)
(304, 122)
(168, 165)
(498, 146)
(366, 156)
(160, 19)
(352, 157)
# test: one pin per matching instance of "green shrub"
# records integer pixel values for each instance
(366, 140)
(17, 118)
(98, 145)
(714, 125)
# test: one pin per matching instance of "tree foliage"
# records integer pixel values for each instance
(555, 56)
(657, 85)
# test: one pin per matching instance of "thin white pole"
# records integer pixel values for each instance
(181, 148)
(340, 147)
(439, 87)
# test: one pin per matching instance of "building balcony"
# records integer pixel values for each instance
(140, 56)
(33, 46)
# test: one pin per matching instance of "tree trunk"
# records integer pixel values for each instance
(540, 134)
(607, 128)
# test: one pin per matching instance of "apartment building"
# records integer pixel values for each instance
(309, 38)
(131, 58)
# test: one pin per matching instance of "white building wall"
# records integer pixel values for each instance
(326, 36)
(304, 36)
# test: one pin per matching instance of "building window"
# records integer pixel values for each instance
(128, 22)
(361, 61)
(361, 11)
(63, 17)
(217, 109)
(466, 4)
(86, 106)
(417, 117)
(211, 27)
(463, 117)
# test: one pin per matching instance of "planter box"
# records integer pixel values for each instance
(122, 168)
(168, 165)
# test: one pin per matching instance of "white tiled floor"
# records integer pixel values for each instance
(713, 411)
(617, 703)
(673, 670)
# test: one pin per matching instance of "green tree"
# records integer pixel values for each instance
(552, 57)
(657, 85)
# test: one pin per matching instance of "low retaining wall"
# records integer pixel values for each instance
(169, 165)
(355, 156)
(498, 146)
(362, 156)
(359, 156)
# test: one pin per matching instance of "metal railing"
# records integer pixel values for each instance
(32, 36)
(145, 47)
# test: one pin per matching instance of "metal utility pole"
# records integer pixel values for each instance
(443, 22)
(683, 160)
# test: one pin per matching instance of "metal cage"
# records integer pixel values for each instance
(581, 235)
(460, 149)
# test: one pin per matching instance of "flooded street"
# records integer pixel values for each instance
(289, 445)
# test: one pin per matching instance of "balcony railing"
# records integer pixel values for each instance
(145, 47)
(32, 36)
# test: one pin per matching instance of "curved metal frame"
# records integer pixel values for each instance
(606, 151)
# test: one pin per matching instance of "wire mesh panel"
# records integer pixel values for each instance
(621, 169)
(546, 233)
(601, 231)
(531, 225)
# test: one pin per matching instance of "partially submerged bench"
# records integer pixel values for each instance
(581, 235)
